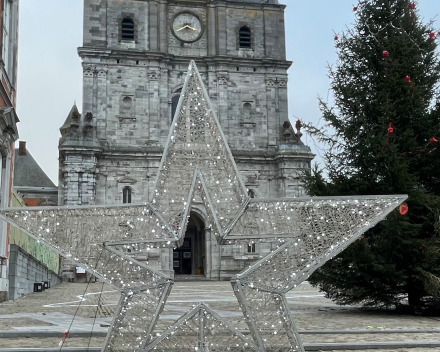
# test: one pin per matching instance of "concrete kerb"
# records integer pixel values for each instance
(8, 334)
(307, 347)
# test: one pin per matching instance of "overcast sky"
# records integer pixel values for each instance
(50, 73)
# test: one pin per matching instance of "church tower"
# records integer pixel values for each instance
(135, 56)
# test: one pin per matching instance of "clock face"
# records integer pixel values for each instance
(187, 27)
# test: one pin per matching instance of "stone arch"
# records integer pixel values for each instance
(191, 257)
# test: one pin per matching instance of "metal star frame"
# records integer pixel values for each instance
(197, 162)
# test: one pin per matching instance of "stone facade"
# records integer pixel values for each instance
(8, 123)
(24, 271)
(131, 88)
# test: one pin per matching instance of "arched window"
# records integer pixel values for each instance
(245, 37)
(127, 29)
(251, 193)
(126, 195)
(175, 102)
(247, 109)
(127, 104)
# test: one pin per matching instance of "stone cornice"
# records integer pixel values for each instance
(93, 52)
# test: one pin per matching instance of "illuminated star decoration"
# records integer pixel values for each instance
(197, 164)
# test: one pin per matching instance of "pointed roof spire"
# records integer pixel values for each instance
(72, 118)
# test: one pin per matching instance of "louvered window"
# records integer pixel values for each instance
(127, 29)
(245, 37)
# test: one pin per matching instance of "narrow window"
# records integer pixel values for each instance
(251, 248)
(245, 37)
(251, 193)
(175, 102)
(126, 195)
(127, 29)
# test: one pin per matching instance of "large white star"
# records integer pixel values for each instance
(197, 162)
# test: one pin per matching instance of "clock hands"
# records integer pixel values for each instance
(186, 26)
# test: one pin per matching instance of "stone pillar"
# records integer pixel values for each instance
(153, 102)
(153, 26)
(166, 261)
(164, 113)
(272, 120)
(100, 110)
(283, 110)
(212, 30)
(222, 110)
(221, 29)
(213, 85)
(163, 29)
(212, 256)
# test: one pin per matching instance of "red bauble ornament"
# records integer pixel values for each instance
(422, 247)
(407, 78)
(336, 37)
(403, 209)
(431, 35)
(433, 140)
(412, 5)
(355, 8)
(390, 128)
(385, 53)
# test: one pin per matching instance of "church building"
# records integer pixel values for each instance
(135, 56)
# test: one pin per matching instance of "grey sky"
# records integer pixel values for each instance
(50, 73)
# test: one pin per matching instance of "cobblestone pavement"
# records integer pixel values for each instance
(93, 307)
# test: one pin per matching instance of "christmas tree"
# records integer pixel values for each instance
(381, 137)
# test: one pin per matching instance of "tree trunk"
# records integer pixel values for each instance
(414, 294)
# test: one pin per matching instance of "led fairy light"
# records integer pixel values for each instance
(197, 164)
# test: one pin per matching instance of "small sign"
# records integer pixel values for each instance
(80, 270)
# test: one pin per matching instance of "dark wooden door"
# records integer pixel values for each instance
(182, 258)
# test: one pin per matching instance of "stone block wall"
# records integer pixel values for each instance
(24, 271)
(129, 88)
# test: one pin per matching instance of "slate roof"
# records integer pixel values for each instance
(28, 173)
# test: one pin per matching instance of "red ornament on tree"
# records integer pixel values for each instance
(390, 128)
(336, 37)
(433, 140)
(403, 209)
(407, 78)
(385, 53)
(355, 8)
(422, 247)
(412, 5)
(431, 35)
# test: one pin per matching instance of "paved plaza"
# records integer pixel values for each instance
(83, 309)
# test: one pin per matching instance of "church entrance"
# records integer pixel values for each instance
(190, 258)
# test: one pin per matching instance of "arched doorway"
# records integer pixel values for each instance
(190, 258)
